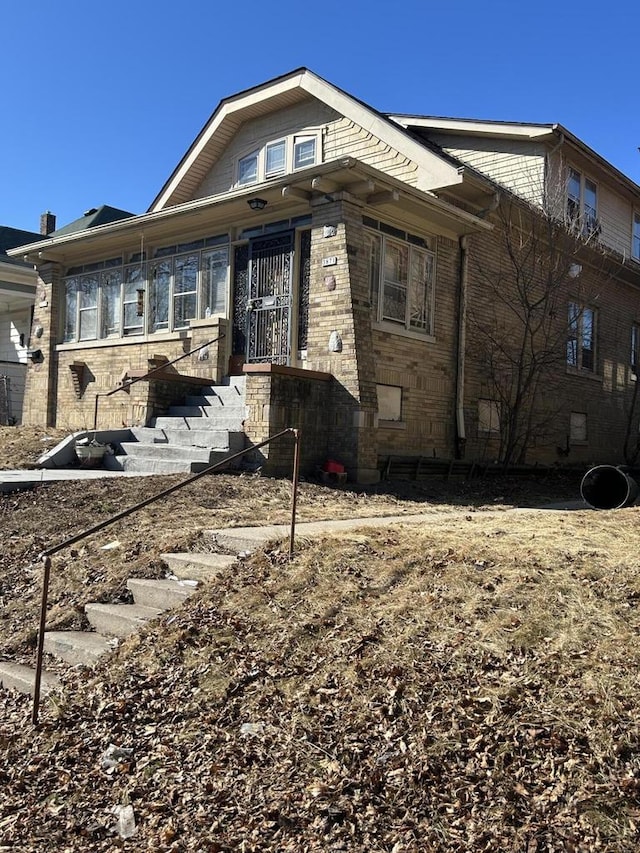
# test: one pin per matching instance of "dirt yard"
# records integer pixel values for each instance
(467, 685)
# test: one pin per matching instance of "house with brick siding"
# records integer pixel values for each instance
(335, 258)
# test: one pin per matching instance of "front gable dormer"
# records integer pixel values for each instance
(294, 122)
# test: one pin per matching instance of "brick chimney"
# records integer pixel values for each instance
(47, 223)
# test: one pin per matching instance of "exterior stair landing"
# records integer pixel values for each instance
(205, 429)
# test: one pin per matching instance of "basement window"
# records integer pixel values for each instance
(389, 403)
(488, 417)
(578, 427)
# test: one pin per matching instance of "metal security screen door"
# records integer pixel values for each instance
(269, 305)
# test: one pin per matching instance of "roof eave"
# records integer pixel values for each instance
(52, 248)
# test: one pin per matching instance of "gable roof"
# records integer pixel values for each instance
(282, 92)
(91, 218)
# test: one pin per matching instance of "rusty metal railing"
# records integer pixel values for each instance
(129, 382)
(46, 555)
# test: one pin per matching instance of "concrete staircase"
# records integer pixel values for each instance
(112, 622)
(207, 429)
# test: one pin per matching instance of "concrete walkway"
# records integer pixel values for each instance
(251, 538)
(13, 481)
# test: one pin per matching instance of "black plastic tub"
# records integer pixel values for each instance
(608, 487)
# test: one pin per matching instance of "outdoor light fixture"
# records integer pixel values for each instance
(257, 203)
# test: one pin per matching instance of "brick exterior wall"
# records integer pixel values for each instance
(425, 370)
(339, 304)
(73, 376)
(604, 395)
(280, 398)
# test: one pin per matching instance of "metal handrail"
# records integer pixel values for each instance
(46, 555)
(129, 382)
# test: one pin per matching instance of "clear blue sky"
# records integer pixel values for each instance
(100, 101)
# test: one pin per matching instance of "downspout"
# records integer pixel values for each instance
(461, 435)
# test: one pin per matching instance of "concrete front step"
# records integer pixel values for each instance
(221, 422)
(162, 594)
(77, 647)
(203, 411)
(169, 451)
(150, 464)
(215, 401)
(192, 566)
(210, 437)
(119, 620)
(16, 676)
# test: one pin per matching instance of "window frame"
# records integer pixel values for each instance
(275, 173)
(117, 309)
(291, 144)
(299, 140)
(581, 216)
(208, 286)
(489, 421)
(577, 335)
(253, 155)
(578, 428)
(635, 236)
(382, 286)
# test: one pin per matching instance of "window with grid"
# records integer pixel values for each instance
(401, 278)
(278, 157)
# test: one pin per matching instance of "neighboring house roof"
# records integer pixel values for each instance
(96, 216)
(12, 237)
(279, 93)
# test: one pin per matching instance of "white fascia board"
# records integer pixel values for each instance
(477, 128)
(229, 107)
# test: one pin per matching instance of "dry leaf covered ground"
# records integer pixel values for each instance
(469, 685)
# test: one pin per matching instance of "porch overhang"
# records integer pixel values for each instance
(231, 210)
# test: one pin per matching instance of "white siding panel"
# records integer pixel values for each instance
(515, 164)
(614, 214)
(346, 139)
(11, 326)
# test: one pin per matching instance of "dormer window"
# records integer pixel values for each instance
(278, 157)
(248, 169)
(304, 151)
